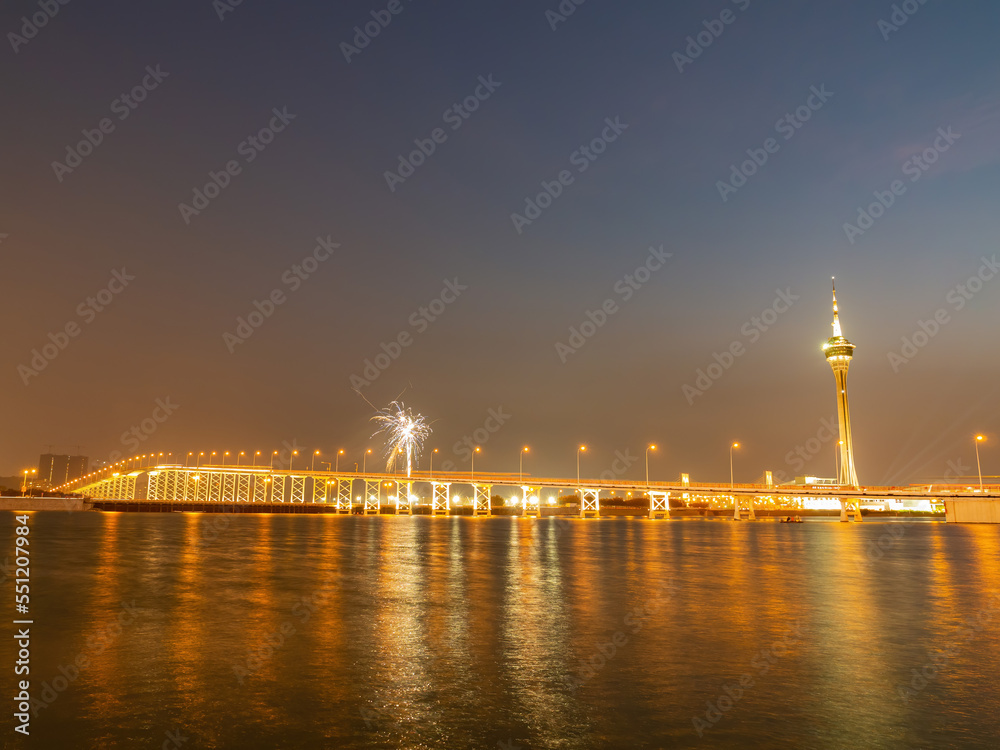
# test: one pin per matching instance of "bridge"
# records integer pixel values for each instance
(345, 491)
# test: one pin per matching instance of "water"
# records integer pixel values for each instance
(489, 633)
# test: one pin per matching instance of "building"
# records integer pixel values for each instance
(55, 470)
(839, 351)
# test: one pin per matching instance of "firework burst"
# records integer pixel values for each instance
(405, 433)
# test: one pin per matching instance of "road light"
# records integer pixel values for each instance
(202, 453)
(239, 458)
(652, 447)
(581, 449)
(313, 465)
(256, 453)
(474, 463)
(339, 454)
(292, 458)
(432, 462)
(210, 457)
(734, 445)
(275, 453)
(520, 464)
(979, 439)
(364, 462)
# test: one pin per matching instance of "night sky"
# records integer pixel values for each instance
(402, 191)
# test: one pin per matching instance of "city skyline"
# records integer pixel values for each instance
(700, 197)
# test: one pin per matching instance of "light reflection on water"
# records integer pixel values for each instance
(367, 632)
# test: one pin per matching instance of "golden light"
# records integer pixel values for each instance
(736, 445)
(583, 448)
(526, 449)
(477, 449)
(652, 446)
(980, 438)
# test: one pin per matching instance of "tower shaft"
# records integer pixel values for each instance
(839, 352)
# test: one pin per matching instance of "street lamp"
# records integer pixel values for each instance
(256, 453)
(581, 449)
(979, 439)
(734, 445)
(202, 453)
(520, 464)
(474, 463)
(652, 447)
(432, 462)
(275, 453)
(292, 458)
(187, 458)
(224, 457)
(364, 462)
(239, 459)
(339, 454)
(313, 467)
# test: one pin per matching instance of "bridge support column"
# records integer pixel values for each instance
(214, 486)
(243, 488)
(345, 503)
(298, 489)
(201, 487)
(850, 508)
(228, 487)
(260, 484)
(532, 508)
(590, 503)
(440, 501)
(659, 505)
(481, 504)
(373, 488)
(278, 488)
(319, 490)
(404, 498)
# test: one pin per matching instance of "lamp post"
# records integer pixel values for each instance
(292, 458)
(581, 449)
(239, 458)
(256, 453)
(731, 483)
(226, 453)
(273, 454)
(520, 464)
(202, 453)
(979, 439)
(474, 463)
(187, 458)
(432, 463)
(313, 466)
(364, 462)
(652, 447)
(339, 454)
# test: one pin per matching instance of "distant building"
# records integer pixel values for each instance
(55, 470)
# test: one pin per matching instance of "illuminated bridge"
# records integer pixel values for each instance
(368, 492)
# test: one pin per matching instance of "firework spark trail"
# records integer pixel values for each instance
(406, 433)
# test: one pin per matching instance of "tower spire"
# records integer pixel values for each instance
(837, 333)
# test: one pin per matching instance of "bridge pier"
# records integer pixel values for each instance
(659, 505)
(590, 503)
(404, 501)
(373, 489)
(440, 499)
(850, 508)
(481, 505)
(345, 502)
(531, 509)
